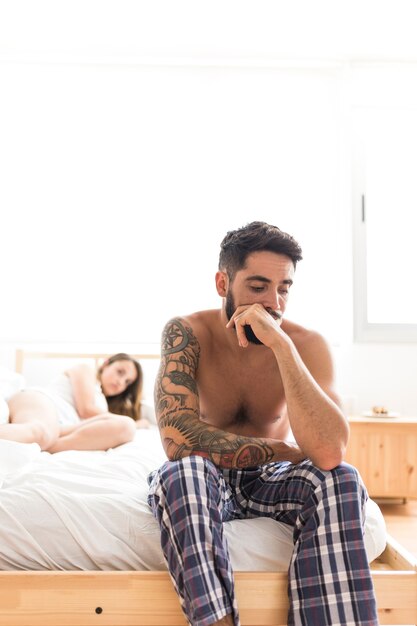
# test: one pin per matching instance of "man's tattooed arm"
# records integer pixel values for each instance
(182, 435)
(177, 409)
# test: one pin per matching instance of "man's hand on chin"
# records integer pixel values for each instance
(263, 323)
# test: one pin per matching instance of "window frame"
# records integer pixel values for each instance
(365, 331)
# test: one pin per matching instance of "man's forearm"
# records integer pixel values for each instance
(317, 423)
(183, 435)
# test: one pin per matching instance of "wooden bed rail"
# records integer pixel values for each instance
(148, 598)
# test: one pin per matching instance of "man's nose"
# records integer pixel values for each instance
(272, 302)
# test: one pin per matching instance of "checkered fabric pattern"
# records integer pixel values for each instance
(329, 578)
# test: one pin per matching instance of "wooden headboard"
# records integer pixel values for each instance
(97, 357)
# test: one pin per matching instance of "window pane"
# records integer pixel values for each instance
(391, 209)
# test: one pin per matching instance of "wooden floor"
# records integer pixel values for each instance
(401, 520)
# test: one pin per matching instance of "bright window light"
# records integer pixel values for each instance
(386, 223)
(119, 183)
(391, 216)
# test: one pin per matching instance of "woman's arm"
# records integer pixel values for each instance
(83, 381)
(142, 423)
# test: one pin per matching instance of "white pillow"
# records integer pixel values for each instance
(10, 382)
(147, 412)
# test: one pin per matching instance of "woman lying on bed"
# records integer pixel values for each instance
(81, 409)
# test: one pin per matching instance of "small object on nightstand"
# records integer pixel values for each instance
(380, 411)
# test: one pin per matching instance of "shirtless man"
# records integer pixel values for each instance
(232, 382)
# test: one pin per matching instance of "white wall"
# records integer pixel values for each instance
(133, 138)
(119, 184)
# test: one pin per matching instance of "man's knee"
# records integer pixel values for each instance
(342, 472)
(348, 478)
(343, 479)
(345, 470)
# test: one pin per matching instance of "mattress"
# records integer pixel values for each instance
(79, 510)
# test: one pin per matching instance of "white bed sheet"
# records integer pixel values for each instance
(88, 511)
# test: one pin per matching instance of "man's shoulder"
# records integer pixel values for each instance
(205, 319)
(200, 323)
(314, 350)
(303, 338)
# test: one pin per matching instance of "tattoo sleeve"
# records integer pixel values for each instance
(177, 408)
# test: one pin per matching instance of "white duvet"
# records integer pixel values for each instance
(88, 511)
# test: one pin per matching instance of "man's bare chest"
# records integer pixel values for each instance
(243, 398)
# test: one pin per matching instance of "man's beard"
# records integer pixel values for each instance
(230, 309)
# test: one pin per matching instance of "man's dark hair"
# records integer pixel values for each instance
(255, 237)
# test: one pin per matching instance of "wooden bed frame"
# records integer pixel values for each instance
(129, 598)
(148, 598)
(97, 357)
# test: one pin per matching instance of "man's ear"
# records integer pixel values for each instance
(222, 283)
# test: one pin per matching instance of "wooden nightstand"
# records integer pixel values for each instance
(384, 450)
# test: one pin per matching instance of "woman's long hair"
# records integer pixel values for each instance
(129, 401)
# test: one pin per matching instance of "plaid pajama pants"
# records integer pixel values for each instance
(329, 578)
